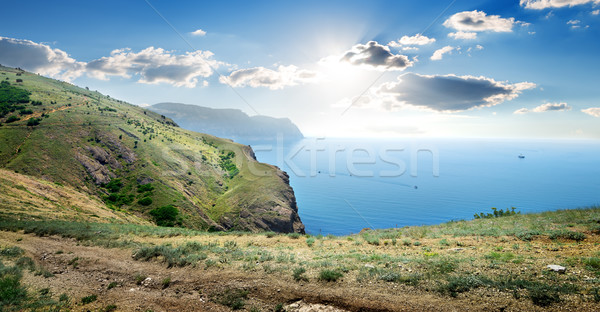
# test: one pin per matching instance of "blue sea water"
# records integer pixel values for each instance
(345, 185)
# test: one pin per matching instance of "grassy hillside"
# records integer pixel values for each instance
(489, 264)
(135, 161)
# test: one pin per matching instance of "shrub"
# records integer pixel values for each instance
(527, 235)
(11, 251)
(33, 122)
(12, 118)
(11, 290)
(310, 241)
(566, 234)
(145, 188)
(294, 235)
(89, 299)
(543, 295)
(111, 285)
(146, 201)
(233, 298)
(165, 216)
(298, 274)
(330, 275)
(166, 282)
(460, 284)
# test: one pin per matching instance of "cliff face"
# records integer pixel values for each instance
(229, 123)
(136, 161)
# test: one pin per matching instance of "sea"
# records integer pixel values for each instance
(345, 185)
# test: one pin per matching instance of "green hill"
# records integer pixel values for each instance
(134, 161)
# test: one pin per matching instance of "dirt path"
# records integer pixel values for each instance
(191, 289)
(39, 114)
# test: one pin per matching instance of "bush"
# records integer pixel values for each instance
(11, 251)
(298, 274)
(460, 284)
(33, 122)
(146, 201)
(145, 188)
(294, 235)
(11, 290)
(310, 241)
(330, 275)
(233, 298)
(89, 299)
(566, 234)
(165, 216)
(543, 295)
(12, 118)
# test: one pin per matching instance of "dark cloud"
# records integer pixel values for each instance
(376, 56)
(447, 93)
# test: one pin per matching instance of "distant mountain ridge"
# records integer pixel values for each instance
(229, 123)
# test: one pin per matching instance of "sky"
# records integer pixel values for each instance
(463, 68)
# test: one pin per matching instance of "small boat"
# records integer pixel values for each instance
(521, 156)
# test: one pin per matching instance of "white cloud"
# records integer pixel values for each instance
(439, 53)
(463, 35)
(410, 49)
(521, 111)
(151, 65)
(595, 12)
(155, 65)
(573, 22)
(547, 107)
(273, 79)
(39, 58)
(474, 21)
(442, 93)
(545, 4)
(592, 111)
(198, 32)
(375, 56)
(417, 39)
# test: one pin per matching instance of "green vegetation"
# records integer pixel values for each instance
(497, 213)
(10, 97)
(330, 275)
(89, 299)
(496, 262)
(14, 296)
(232, 298)
(132, 159)
(298, 274)
(227, 163)
(165, 216)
